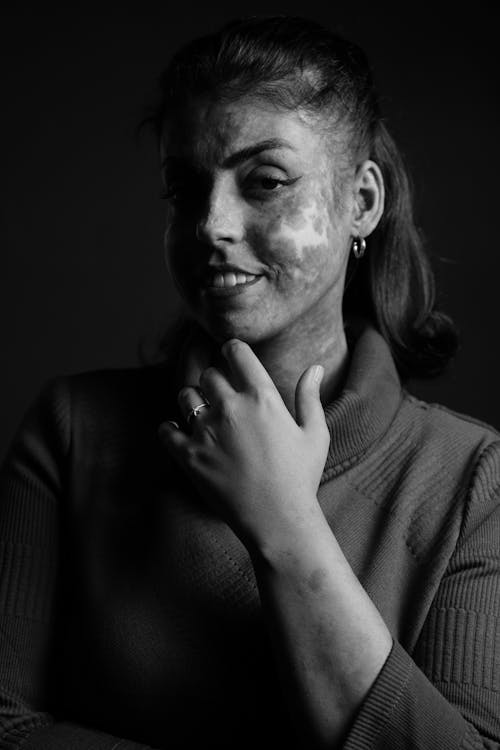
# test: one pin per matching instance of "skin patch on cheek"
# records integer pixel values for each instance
(309, 226)
(319, 225)
(300, 268)
(300, 227)
(283, 252)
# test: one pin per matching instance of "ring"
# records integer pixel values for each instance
(195, 411)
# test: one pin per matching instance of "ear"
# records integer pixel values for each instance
(369, 196)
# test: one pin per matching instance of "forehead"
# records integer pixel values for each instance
(209, 131)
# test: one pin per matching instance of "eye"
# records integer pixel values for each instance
(178, 194)
(268, 181)
(185, 189)
(171, 193)
(177, 185)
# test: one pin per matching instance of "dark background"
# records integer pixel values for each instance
(82, 277)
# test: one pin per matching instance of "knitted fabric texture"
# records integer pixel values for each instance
(129, 613)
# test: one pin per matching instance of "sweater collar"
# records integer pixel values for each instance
(367, 404)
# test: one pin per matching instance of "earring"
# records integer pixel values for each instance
(358, 247)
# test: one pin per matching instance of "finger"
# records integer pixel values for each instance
(215, 386)
(246, 368)
(309, 410)
(173, 438)
(189, 398)
(179, 446)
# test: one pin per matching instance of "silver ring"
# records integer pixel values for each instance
(195, 411)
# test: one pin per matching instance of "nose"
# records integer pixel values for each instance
(222, 219)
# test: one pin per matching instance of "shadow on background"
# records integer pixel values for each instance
(82, 280)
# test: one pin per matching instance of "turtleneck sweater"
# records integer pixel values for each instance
(129, 613)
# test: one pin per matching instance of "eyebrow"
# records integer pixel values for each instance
(271, 144)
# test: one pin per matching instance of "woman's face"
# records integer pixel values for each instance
(254, 187)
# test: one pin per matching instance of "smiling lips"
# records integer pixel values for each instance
(229, 279)
(228, 283)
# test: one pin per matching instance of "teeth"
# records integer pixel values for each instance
(231, 279)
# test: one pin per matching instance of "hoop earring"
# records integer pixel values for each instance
(358, 247)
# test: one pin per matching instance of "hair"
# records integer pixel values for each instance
(297, 63)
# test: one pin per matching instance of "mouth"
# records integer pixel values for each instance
(229, 284)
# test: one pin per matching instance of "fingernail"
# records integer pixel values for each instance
(227, 345)
(318, 373)
(165, 427)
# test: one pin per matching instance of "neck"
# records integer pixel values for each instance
(287, 356)
(284, 356)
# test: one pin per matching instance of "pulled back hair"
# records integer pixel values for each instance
(295, 62)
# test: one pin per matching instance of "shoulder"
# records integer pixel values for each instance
(432, 468)
(91, 417)
(463, 455)
(442, 417)
(116, 399)
(443, 430)
(457, 453)
(111, 387)
(99, 402)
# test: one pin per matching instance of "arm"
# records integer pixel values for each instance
(350, 685)
(329, 640)
(261, 471)
(31, 489)
(347, 682)
(448, 695)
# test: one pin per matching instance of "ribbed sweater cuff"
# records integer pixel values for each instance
(64, 736)
(404, 704)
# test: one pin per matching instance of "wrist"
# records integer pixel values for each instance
(301, 539)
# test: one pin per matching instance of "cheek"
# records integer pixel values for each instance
(307, 217)
(299, 267)
(170, 234)
(299, 239)
(178, 259)
(170, 246)
(178, 239)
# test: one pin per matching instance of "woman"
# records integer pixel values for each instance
(265, 542)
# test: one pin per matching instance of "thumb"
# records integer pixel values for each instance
(308, 407)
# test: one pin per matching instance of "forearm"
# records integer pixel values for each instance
(330, 641)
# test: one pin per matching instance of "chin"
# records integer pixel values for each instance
(223, 329)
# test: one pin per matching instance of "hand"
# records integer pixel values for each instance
(253, 463)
